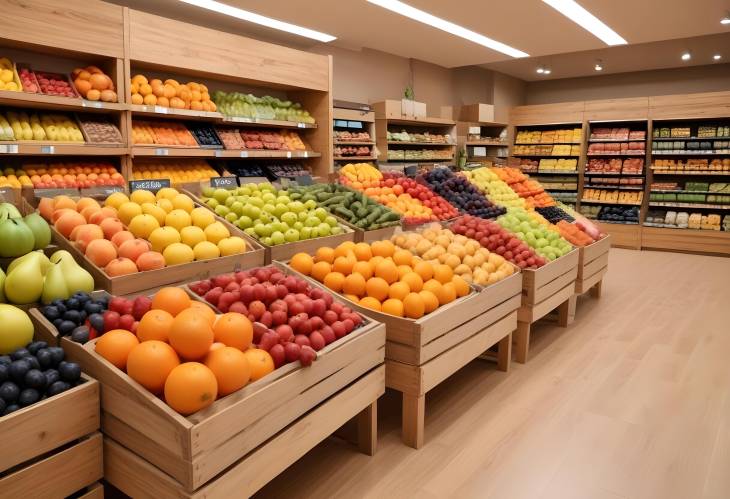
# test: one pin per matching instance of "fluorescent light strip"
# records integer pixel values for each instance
(259, 19)
(589, 22)
(444, 25)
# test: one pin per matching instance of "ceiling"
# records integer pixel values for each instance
(657, 31)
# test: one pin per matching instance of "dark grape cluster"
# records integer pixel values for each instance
(619, 214)
(554, 214)
(204, 134)
(461, 193)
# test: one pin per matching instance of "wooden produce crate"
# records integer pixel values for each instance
(232, 445)
(592, 266)
(369, 236)
(422, 353)
(95, 491)
(543, 290)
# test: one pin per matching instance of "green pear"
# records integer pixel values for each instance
(56, 257)
(54, 287)
(77, 278)
(16, 238)
(25, 283)
(43, 260)
(2, 286)
(40, 229)
(10, 210)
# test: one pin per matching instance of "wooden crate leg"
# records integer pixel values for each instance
(522, 341)
(367, 429)
(504, 353)
(566, 311)
(596, 289)
(414, 419)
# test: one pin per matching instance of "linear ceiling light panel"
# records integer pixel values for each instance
(444, 25)
(259, 19)
(589, 22)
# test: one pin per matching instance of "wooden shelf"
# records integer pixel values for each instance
(232, 153)
(689, 153)
(696, 173)
(546, 143)
(170, 112)
(673, 204)
(615, 140)
(614, 188)
(429, 144)
(548, 172)
(180, 152)
(477, 143)
(675, 139)
(600, 174)
(352, 143)
(695, 240)
(240, 121)
(56, 103)
(51, 149)
(546, 155)
(420, 121)
(445, 160)
(354, 158)
(595, 201)
(638, 154)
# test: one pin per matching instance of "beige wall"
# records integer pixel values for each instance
(643, 83)
(508, 93)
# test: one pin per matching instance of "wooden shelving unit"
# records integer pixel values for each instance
(484, 142)
(353, 118)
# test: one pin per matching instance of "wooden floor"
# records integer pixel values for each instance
(632, 401)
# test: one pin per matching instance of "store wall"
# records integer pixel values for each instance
(642, 83)
(508, 93)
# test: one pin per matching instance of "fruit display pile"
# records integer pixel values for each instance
(352, 206)
(549, 136)
(383, 277)
(204, 134)
(498, 240)
(30, 371)
(8, 80)
(270, 215)
(573, 234)
(19, 125)
(65, 174)
(544, 239)
(615, 165)
(529, 189)
(99, 130)
(623, 214)
(611, 196)
(617, 133)
(170, 93)
(93, 84)
(265, 139)
(141, 232)
(241, 105)
(496, 189)
(468, 259)
(460, 193)
(162, 133)
(426, 137)
(46, 83)
(345, 151)
(177, 170)
(350, 136)
(20, 235)
(420, 154)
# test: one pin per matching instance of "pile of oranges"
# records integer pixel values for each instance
(186, 353)
(171, 93)
(382, 277)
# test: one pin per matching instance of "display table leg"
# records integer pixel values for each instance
(596, 289)
(367, 429)
(522, 341)
(504, 353)
(566, 311)
(414, 419)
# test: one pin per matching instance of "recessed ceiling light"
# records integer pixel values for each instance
(725, 20)
(686, 56)
(444, 25)
(546, 72)
(540, 70)
(252, 17)
(589, 22)
(717, 57)
(598, 66)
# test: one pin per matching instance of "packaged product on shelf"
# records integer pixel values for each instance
(178, 170)
(237, 104)
(99, 129)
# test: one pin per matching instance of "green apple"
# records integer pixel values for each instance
(237, 208)
(305, 233)
(331, 221)
(321, 213)
(265, 186)
(310, 204)
(231, 217)
(250, 231)
(298, 225)
(283, 199)
(245, 222)
(324, 229)
(315, 232)
(291, 235)
(267, 241)
(312, 221)
(277, 237)
(269, 208)
(221, 195)
(302, 215)
(289, 218)
(212, 203)
(245, 191)
(296, 206)
(257, 202)
(336, 230)
(280, 209)
(208, 192)
(229, 202)
(269, 197)
(262, 230)
(279, 226)
(222, 210)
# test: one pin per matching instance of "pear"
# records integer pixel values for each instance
(2, 286)
(56, 257)
(43, 260)
(10, 210)
(25, 283)
(40, 229)
(54, 287)
(16, 238)
(77, 278)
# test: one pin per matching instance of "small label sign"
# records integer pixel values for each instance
(94, 104)
(160, 109)
(162, 152)
(152, 185)
(48, 149)
(304, 180)
(101, 191)
(224, 182)
(9, 149)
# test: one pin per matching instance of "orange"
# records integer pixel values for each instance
(191, 335)
(353, 298)
(371, 303)
(413, 306)
(115, 346)
(377, 288)
(424, 269)
(345, 249)
(430, 302)
(460, 285)
(155, 325)
(403, 270)
(334, 281)
(325, 254)
(149, 364)
(362, 251)
(320, 270)
(414, 281)
(387, 270)
(344, 264)
(374, 261)
(190, 387)
(354, 285)
(448, 293)
(433, 286)
(260, 362)
(234, 330)
(383, 248)
(302, 262)
(172, 300)
(443, 273)
(204, 308)
(230, 367)
(364, 269)
(393, 307)
(398, 290)
(402, 257)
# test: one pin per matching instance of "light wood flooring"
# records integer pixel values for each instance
(632, 401)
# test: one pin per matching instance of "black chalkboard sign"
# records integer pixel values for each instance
(224, 182)
(410, 170)
(153, 185)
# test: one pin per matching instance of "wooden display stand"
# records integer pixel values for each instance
(543, 290)
(366, 119)
(592, 266)
(53, 447)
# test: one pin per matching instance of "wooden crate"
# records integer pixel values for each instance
(193, 450)
(369, 236)
(95, 491)
(592, 266)
(422, 353)
(543, 290)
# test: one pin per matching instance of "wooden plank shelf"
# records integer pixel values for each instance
(594, 154)
(425, 121)
(407, 143)
(258, 153)
(32, 148)
(546, 155)
(353, 143)
(595, 201)
(660, 204)
(354, 158)
(485, 143)
(698, 173)
(171, 112)
(57, 103)
(690, 153)
(592, 266)
(173, 151)
(546, 143)
(615, 140)
(677, 139)
(243, 121)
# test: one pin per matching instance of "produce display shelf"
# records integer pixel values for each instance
(686, 172)
(553, 172)
(689, 205)
(233, 153)
(546, 155)
(354, 158)
(691, 153)
(238, 120)
(616, 154)
(551, 189)
(486, 143)
(545, 143)
(592, 266)
(614, 222)
(444, 160)
(54, 102)
(616, 140)
(352, 143)
(605, 174)
(676, 139)
(428, 121)
(409, 143)
(614, 188)
(175, 151)
(32, 148)
(170, 112)
(680, 239)
(687, 192)
(596, 201)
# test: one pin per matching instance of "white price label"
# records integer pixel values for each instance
(88, 103)
(301, 125)
(244, 154)
(162, 152)
(160, 109)
(306, 154)
(48, 149)
(288, 154)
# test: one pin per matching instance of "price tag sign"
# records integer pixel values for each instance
(162, 152)
(89, 103)
(288, 154)
(224, 182)
(410, 170)
(244, 154)
(48, 149)
(239, 119)
(160, 109)
(301, 125)
(304, 180)
(153, 185)
(306, 154)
